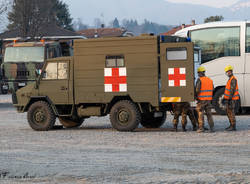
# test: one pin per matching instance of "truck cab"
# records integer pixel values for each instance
(22, 60)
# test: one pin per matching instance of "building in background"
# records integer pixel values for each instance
(105, 32)
(175, 29)
(50, 32)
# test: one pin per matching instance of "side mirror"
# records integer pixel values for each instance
(38, 72)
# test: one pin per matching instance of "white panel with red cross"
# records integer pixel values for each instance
(115, 79)
(177, 77)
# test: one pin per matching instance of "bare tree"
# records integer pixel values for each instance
(4, 5)
(98, 23)
(79, 25)
(29, 16)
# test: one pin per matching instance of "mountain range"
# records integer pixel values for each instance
(159, 11)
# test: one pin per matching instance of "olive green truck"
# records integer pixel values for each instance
(134, 79)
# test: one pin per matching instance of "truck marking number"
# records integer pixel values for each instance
(115, 79)
(176, 77)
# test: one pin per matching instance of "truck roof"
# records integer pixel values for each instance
(184, 32)
(165, 39)
(28, 44)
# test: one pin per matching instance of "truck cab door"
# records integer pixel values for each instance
(177, 72)
(54, 83)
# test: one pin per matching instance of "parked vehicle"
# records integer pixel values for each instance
(23, 57)
(222, 44)
(21, 60)
(135, 80)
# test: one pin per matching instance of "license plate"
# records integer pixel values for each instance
(21, 84)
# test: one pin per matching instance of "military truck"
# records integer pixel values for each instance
(134, 80)
(22, 59)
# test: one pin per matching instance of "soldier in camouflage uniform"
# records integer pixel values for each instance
(204, 95)
(231, 95)
(183, 109)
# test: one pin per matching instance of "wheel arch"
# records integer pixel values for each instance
(239, 108)
(115, 100)
(41, 98)
(215, 90)
(219, 87)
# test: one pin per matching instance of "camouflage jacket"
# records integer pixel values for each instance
(233, 87)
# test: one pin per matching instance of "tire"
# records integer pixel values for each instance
(41, 116)
(125, 116)
(68, 122)
(217, 102)
(149, 121)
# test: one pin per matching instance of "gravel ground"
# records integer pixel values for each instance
(95, 153)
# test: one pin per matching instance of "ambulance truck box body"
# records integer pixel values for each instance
(135, 80)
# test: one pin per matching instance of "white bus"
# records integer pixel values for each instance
(222, 44)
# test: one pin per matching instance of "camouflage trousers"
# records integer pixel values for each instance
(184, 110)
(204, 106)
(230, 106)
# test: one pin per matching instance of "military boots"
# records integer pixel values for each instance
(231, 128)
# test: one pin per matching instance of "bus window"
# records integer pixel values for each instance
(197, 54)
(248, 39)
(217, 42)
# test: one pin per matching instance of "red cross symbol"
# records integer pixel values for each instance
(177, 77)
(115, 79)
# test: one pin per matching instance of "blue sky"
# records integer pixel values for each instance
(153, 10)
(213, 3)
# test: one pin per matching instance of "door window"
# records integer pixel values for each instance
(62, 71)
(55, 71)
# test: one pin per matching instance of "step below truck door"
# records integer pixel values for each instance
(177, 72)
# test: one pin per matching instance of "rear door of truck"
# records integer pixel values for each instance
(177, 72)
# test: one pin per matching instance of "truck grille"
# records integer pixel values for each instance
(23, 73)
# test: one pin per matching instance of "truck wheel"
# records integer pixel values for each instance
(220, 108)
(125, 116)
(41, 116)
(149, 121)
(68, 122)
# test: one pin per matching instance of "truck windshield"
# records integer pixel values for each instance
(24, 54)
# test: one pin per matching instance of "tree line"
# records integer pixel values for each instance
(30, 16)
(131, 25)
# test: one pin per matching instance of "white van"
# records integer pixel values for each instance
(222, 44)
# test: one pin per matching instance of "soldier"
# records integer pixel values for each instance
(183, 109)
(231, 94)
(204, 96)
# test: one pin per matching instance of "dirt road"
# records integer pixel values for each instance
(95, 153)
